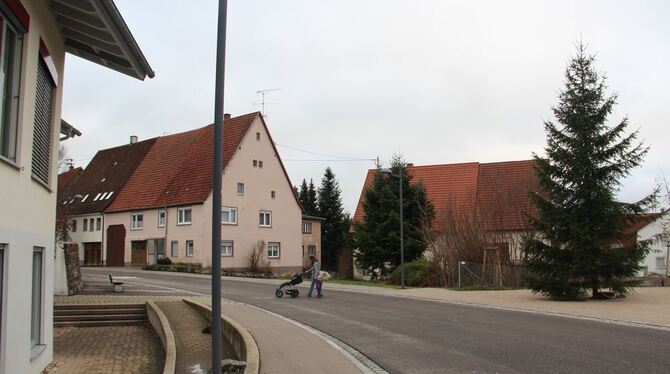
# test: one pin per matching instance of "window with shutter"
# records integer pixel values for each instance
(44, 112)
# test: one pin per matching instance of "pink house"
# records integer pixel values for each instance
(164, 210)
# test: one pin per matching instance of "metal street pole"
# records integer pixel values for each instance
(402, 236)
(217, 181)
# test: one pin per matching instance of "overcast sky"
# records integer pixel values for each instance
(435, 80)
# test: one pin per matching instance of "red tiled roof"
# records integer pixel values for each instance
(641, 221)
(178, 169)
(107, 173)
(499, 191)
(65, 180)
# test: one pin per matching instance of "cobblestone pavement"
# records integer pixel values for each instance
(107, 350)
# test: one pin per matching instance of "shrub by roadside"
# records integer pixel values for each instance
(419, 273)
(178, 267)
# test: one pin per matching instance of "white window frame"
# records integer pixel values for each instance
(137, 221)
(9, 121)
(262, 221)
(37, 297)
(91, 224)
(271, 251)
(162, 215)
(188, 248)
(227, 244)
(240, 189)
(305, 226)
(98, 224)
(232, 211)
(73, 225)
(181, 215)
(84, 226)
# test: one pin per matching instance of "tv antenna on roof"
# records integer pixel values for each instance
(263, 103)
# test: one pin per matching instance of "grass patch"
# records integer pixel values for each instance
(363, 283)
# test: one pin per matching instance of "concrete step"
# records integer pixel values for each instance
(76, 312)
(100, 317)
(134, 322)
(98, 306)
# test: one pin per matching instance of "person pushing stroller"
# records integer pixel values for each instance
(317, 278)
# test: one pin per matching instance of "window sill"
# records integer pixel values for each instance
(229, 224)
(273, 258)
(136, 229)
(10, 162)
(265, 227)
(184, 224)
(36, 351)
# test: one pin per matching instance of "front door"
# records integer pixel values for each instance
(116, 239)
(138, 253)
(92, 254)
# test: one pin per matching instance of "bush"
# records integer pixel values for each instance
(164, 261)
(419, 273)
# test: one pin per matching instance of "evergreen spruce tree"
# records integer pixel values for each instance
(334, 226)
(378, 236)
(307, 198)
(582, 242)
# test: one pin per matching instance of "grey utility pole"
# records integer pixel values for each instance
(402, 233)
(217, 176)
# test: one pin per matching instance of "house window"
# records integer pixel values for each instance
(258, 136)
(98, 224)
(260, 164)
(311, 250)
(265, 218)
(43, 124)
(174, 248)
(226, 248)
(90, 224)
(660, 262)
(273, 250)
(255, 163)
(189, 248)
(36, 299)
(136, 221)
(161, 218)
(228, 216)
(240, 189)
(273, 194)
(73, 225)
(306, 227)
(184, 216)
(160, 248)
(85, 221)
(10, 73)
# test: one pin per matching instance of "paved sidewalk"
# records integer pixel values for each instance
(124, 349)
(284, 347)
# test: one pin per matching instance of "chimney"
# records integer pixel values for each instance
(133, 139)
(226, 115)
(70, 167)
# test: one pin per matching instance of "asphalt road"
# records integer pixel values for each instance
(414, 336)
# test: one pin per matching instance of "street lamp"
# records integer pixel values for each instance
(402, 235)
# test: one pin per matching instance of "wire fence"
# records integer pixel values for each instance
(474, 274)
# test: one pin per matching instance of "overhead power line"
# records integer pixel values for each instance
(338, 158)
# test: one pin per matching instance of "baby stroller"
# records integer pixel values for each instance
(290, 285)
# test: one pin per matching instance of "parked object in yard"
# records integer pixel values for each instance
(289, 287)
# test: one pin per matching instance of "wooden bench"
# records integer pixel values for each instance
(117, 286)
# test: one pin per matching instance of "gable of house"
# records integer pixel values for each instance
(498, 192)
(178, 168)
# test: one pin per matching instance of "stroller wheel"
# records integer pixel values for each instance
(279, 293)
(294, 294)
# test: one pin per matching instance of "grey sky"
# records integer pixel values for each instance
(438, 81)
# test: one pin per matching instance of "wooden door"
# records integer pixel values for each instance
(138, 251)
(92, 253)
(116, 239)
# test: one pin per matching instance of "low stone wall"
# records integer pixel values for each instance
(162, 327)
(237, 336)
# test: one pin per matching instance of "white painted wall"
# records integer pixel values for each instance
(658, 248)
(30, 209)
(80, 236)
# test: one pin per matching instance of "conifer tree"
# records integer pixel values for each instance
(334, 226)
(378, 236)
(582, 243)
(307, 198)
